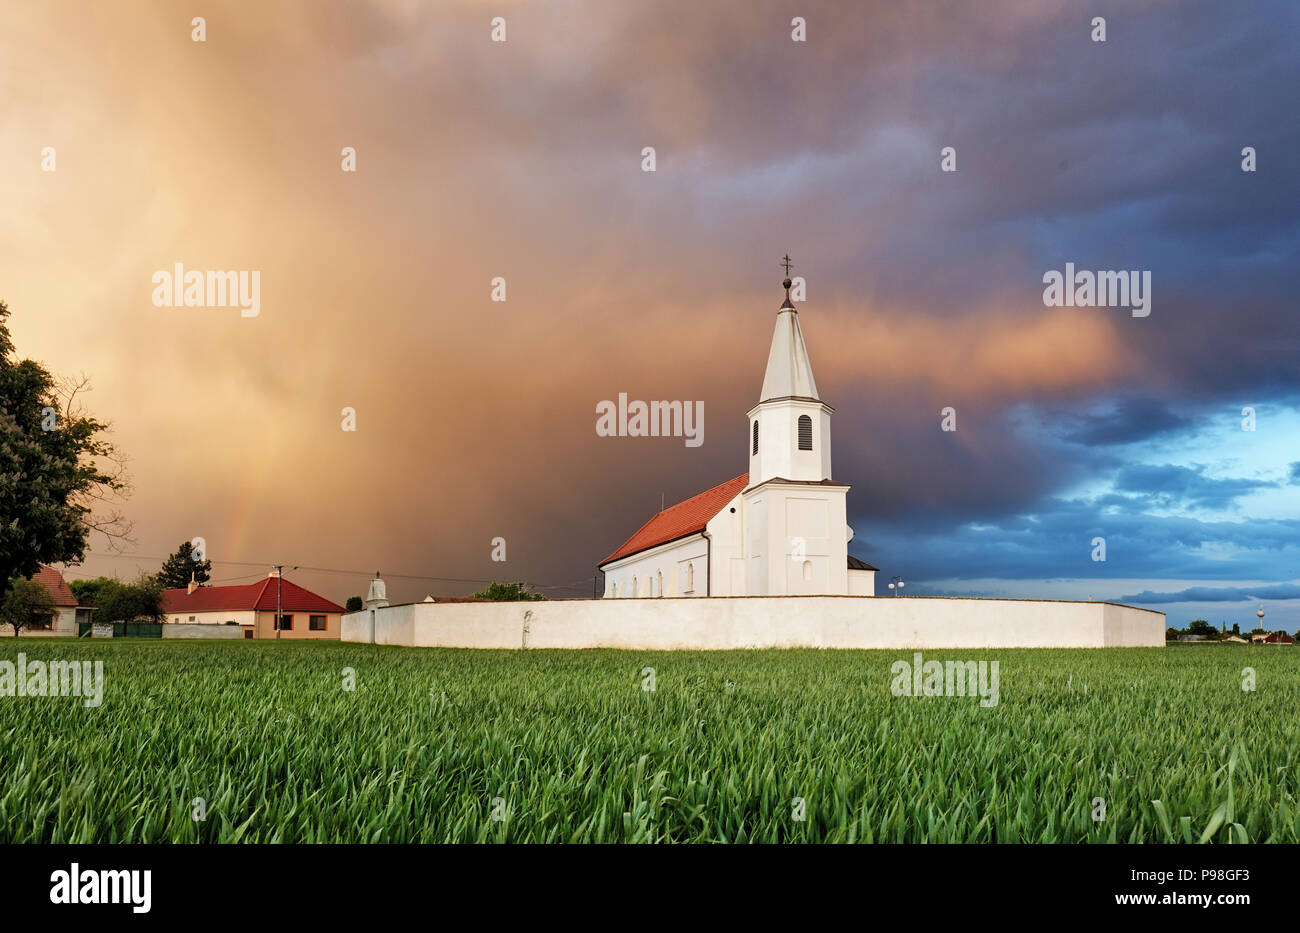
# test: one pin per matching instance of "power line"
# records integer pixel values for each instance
(355, 573)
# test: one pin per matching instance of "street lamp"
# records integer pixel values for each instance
(896, 584)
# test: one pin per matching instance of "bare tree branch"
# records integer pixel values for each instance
(107, 463)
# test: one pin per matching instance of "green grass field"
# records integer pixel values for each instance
(578, 752)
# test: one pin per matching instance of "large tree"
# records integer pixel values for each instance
(176, 570)
(27, 604)
(121, 602)
(507, 592)
(140, 601)
(55, 468)
(1203, 628)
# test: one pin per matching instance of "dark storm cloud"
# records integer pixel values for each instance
(1055, 540)
(1129, 420)
(522, 159)
(1217, 594)
(1168, 485)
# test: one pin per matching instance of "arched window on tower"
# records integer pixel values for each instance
(805, 432)
(755, 435)
(660, 581)
(807, 571)
(690, 568)
(635, 590)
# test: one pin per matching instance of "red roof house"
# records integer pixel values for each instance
(69, 610)
(1278, 638)
(252, 606)
(56, 586)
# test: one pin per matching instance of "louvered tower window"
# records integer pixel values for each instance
(805, 432)
(755, 435)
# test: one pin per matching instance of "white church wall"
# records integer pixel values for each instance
(798, 542)
(778, 442)
(683, 565)
(727, 547)
(862, 582)
(849, 622)
(756, 545)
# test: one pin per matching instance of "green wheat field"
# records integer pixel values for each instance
(438, 745)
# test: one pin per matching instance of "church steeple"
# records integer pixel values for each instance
(789, 373)
(789, 428)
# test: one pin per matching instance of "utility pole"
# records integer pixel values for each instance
(279, 598)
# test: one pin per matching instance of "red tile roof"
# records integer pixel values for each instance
(260, 596)
(1279, 638)
(53, 581)
(682, 519)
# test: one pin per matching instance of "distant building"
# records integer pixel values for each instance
(1278, 638)
(252, 607)
(70, 611)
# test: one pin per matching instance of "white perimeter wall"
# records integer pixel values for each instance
(761, 622)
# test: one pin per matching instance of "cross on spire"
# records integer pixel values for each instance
(787, 305)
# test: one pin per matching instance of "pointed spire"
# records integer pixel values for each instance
(789, 373)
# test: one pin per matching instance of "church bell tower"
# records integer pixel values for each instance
(790, 427)
(795, 530)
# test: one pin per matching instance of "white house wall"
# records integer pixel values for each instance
(65, 622)
(791, 622)
(211, 617)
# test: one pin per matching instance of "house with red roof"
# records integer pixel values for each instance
(70, 611)
(252, 606)
(779, 529)
(1278, 638)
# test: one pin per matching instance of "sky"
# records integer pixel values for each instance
(523, 159)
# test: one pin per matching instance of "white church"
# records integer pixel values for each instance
(776, 535)
(780, 529)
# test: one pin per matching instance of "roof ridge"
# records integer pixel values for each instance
(244, 597)
(678, 522)
(690, 499)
